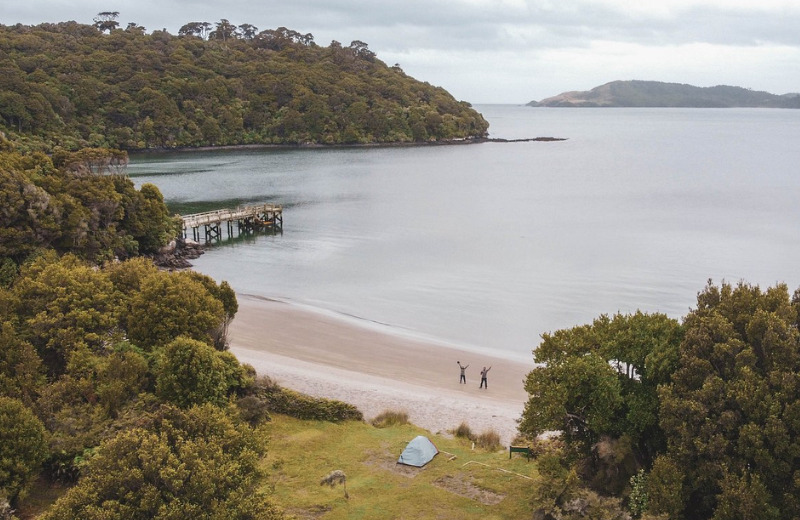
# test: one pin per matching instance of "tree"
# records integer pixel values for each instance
(133, 27)
(106, 21)
(22, 447)
(62, 304)
(198, 29)
(732, 409)
(226, 295)
(21, 374)
(97, 161)
(191, 372)
(139, 90)
(170, 305)
(197, 463)
(601, 380)
(248, 31)
(224, 30)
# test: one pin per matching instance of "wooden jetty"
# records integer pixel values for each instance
(245, 219)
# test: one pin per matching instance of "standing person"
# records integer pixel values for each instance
(463, 377)
(483, 377)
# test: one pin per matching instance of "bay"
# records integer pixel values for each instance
(488, 246)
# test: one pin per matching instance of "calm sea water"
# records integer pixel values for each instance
(488, 246)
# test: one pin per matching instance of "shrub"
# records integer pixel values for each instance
(191, 372)
(389, 418)
(488, 440)
(196, 463)
(464, 432)
(300, 406)
(253, 409)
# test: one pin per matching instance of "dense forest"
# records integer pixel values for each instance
(72, 86)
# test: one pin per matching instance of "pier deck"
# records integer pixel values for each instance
(244, 219)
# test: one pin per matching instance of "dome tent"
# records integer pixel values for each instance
(418, 452)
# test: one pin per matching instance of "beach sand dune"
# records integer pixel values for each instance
(326, 356)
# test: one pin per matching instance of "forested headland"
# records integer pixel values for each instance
(72, 85)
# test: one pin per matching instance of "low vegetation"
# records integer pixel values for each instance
(488, 440)
(459, 484)
(389, 418)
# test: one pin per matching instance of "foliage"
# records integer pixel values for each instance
(172, 305)
(732, 410)
(488, 440)
(76, 203)
(21, 374)
(64, 304)
(463, 431)
(294, 404)
(77, 86)
(389, 418)
(191, 372)
(22, 447)
(711, 406)
(86, 343)
(198, 463)
(601, 380)
(253, 410)
(637, 501)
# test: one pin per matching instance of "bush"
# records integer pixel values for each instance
(488, 440)
(300, 406)
(253, 410)
(389, 418)
(464, 432)
(196, 463)
(191, 372)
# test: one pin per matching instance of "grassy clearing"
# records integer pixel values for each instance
(471, 485)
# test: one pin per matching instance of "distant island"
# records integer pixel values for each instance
(659, 94)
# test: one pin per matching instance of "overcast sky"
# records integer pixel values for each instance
(508, 51)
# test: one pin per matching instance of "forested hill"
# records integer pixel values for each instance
(75, 85)
(658, 94)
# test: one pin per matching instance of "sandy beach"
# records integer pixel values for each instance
(329, 356)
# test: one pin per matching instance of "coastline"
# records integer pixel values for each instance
(392, 144)
(324, 356)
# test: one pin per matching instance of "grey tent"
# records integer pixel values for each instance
(419, 452)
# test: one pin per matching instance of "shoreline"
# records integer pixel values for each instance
(326, 356)
(302, 146)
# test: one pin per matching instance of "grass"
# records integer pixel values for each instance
(475, 484)
(389, 418)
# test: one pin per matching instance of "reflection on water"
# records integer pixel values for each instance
(491, 245)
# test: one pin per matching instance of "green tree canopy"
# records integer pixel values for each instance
(199, 463)
(170, 305)
(78, 205)
(22, 446)
(78, 86)
(732, 410)
(601, 380)
(191, 372)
